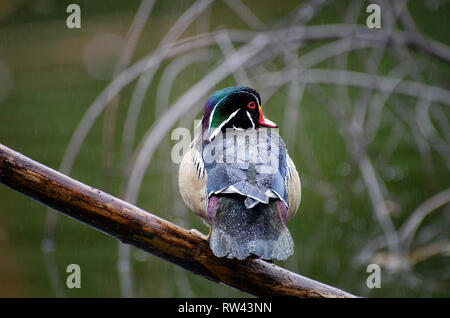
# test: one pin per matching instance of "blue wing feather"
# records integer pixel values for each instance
(248, 175)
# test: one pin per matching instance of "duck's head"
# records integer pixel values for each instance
(233, 107)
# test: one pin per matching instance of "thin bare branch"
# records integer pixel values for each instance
(373, 187)
(409, 228)
(411, 225)
(358, 79)
(227, 48)
(179, 27)
(245, 14)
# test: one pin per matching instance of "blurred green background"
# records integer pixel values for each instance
(50, 74)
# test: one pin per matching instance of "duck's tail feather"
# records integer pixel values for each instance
(238, 232)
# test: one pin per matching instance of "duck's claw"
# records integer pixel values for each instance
(200, 234)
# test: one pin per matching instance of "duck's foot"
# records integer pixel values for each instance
(200, 234)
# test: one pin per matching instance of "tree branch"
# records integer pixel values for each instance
(146, 231)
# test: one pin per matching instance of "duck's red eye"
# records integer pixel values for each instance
(251, 105)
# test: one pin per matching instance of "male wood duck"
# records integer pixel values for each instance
(240, 179)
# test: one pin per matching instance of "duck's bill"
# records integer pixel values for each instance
(263, 121)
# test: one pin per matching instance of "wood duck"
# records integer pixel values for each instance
(238, 177)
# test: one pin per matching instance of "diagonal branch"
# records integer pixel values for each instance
(146, 231)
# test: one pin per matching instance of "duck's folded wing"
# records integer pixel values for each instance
(257, 173)
(193, 176)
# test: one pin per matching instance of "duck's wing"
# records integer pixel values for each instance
(253, 165)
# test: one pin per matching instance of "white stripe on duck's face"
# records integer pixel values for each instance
(218, 129)
(240, 110)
